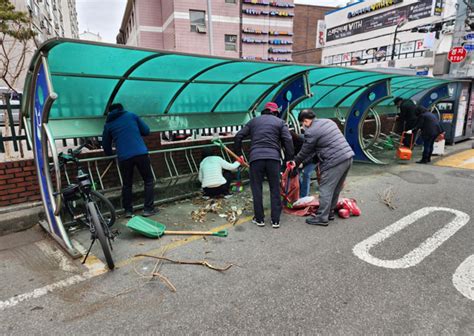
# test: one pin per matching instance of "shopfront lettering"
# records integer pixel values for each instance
(417, 11)
(376, 6)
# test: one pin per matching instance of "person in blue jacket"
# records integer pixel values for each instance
(125, 130)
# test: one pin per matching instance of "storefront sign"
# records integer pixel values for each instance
(438, 7)
(321, 34)
(389, 18)
(375, 6)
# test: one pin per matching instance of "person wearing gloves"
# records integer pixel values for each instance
(268, 133)
(324, 140)
(430, 129)
(215, 174)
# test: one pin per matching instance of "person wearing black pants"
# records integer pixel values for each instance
(430, 128)
(258, 170)
(267, 133)
(125, 130)
(142, 162)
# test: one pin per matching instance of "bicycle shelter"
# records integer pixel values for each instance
(71, 83)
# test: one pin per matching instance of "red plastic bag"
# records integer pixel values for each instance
(349, 204)
(289, 187)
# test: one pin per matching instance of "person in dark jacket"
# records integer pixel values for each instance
(407, 114)
(126, 129)
(406, 118)
(308, 168)
(324, 140)
(267, 133)
(430, 128)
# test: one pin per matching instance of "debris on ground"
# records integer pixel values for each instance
(387, 198)
(230, 209)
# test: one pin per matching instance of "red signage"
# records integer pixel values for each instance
(457, 54)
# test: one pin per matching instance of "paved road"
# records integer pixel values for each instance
(374, 274)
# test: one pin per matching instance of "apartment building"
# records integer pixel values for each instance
(50, 18)
(249, 29)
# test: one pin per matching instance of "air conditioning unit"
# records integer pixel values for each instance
(49, 16)
(201, 29)
(42, 24)
(56, 25)
(429, 53)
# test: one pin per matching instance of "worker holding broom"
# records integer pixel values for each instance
(267, 133)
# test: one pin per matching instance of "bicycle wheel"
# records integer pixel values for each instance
(100, 234)
(104, 207)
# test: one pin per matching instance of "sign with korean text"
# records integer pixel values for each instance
(321, 34)
(457, 55)
(412, 12)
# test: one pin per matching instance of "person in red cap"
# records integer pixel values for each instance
(267, 133)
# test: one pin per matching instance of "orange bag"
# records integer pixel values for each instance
(403, 152)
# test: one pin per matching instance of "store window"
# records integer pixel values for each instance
(197, 20)
(230, 42)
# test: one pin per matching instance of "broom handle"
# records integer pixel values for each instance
(231, 153)
(200, 233)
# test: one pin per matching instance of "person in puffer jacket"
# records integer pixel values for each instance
(125, 129)
(324, 140)
(268, 134)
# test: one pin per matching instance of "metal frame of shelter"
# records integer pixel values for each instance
(70, 85)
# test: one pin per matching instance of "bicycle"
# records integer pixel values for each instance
(88, 207)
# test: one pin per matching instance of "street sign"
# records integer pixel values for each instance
(457, 54)
(469, 36)
(468, 46)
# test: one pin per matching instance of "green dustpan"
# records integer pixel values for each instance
(152, 229)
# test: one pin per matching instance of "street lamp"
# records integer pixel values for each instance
(400, 24)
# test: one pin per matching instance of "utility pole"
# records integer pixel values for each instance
(465, 68)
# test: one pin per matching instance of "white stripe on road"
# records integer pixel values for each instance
(414, 257)
(463, 278)
(38, 292)
(94, 265)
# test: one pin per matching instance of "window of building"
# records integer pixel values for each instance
(230, 1)
(230, 42)
(197, 20)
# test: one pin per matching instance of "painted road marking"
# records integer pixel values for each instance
(97, 267)
(415, 256)
(464, 159)
(463, 278)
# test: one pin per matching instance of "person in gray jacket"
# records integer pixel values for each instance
(267, 133)
(323, 139)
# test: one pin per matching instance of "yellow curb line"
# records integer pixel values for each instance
(181, 242)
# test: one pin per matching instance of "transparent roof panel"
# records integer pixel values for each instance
(164, 66)
(93, 59)
(88, 75)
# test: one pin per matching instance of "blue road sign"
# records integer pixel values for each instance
(469, 36)
(469, 46)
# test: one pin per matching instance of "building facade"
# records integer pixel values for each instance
(307, 47)
(90, 36)
(362, 34)
(50, 18)
(249, 29)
